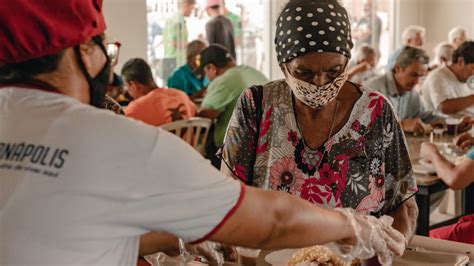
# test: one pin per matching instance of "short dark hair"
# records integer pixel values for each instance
(215, 7)
(138, 70)
(29, 69)
(466, 51)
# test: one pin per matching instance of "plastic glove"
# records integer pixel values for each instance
(374, 236)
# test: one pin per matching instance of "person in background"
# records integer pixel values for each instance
(227, 82)
(368, 29)
(236, 23)
(184, 79)
(414, 36)
(457, 36)
(445, 89)
(362, 68)
(313, 134)
(443, 55)
(92, 182)
(175, 38)
(456, 177)
(153, 105)
(397, 85)
(219, 30)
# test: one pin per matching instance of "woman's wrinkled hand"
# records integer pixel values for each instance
(372, 236)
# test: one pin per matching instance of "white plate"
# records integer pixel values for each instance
(280, 257)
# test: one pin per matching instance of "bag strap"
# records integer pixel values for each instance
(257, 95)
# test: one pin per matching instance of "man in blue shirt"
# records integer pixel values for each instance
(183, 77)
(397, 85)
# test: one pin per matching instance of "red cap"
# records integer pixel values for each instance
(31, 29)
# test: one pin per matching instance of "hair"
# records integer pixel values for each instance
(194, 48)
(455, 33)
(411, 32)
(466, 51)
(138, 70)
(215, 7)
(444, 51)
(409, 55)
(29, 69)
(364, 51)
(189, 2)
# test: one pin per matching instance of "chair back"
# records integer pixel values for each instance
(194, 131)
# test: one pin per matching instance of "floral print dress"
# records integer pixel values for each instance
(365, 165)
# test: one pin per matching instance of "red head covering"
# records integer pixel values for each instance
(35, 28)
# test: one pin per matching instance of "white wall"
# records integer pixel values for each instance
(437, 16)
(127, 23)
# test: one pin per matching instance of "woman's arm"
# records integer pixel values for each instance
(272, 220)
(455, 176)
(404, 218)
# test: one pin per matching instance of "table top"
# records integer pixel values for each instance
(414, 144)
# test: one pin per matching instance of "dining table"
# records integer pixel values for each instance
(429, 183)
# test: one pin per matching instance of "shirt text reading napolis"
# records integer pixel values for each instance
(35, 154)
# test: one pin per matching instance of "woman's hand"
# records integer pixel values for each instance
(427, 151)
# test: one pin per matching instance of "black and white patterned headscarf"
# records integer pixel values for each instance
(307, 26)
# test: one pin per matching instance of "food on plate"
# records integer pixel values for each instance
(320, 256)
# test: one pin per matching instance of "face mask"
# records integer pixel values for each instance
(97, 85)
(316, 96)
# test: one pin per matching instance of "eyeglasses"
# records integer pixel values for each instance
(113, 50)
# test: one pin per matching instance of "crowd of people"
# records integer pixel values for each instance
(318, 156)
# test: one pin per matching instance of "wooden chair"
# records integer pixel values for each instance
(194, 131)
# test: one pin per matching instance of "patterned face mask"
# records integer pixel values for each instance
(316, 96)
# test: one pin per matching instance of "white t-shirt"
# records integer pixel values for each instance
(440, 85)
(79, 184)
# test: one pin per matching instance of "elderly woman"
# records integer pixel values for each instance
(315, 135)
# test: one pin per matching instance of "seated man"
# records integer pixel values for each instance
(364, 64)
(457, 36)
(414, 36)
(184, 79)
(228, 81)
(153, 105)
(397, 85)
(456, 177)
(445, 88)
(443, 55)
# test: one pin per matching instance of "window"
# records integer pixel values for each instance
(171, 25)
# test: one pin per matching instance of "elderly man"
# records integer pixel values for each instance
(457, 36)
(362, 68)
(397, 86)
(80, 185)
(413, 35)
(184, 79)
(227, 82)
(443, 55)
(445, 89)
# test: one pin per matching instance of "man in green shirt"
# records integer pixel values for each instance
(175, 38)
(227, 82)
